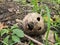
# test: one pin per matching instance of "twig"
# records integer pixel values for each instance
(39, 43)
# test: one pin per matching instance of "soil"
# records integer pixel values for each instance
(10, 11)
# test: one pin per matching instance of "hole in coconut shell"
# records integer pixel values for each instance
(38, 18)
(39, 28)
(30, 26)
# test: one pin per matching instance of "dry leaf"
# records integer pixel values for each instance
(2, 25)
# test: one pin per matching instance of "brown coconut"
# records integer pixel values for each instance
(33, 24)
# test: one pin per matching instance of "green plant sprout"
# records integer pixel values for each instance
(12, 35)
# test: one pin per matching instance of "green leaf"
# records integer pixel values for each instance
(18, 32)
(57, 43)
(6, 39)
(4, 43)
(57, 38)
(31, 43)
(14, 26)
(3, 31)
(15, 38)
(58, 1)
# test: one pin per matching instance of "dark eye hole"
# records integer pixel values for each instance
(39, 28)
(38, 18)
(30, 26)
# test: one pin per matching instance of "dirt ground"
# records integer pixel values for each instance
(10, 11)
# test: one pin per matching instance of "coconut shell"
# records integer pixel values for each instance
(33, 24)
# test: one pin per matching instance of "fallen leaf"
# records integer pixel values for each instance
(2, 25)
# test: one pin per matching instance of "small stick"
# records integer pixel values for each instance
(39, 43)
(19, 21)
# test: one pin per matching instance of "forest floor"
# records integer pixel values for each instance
(10, 11)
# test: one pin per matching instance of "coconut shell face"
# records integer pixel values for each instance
(33, 24)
